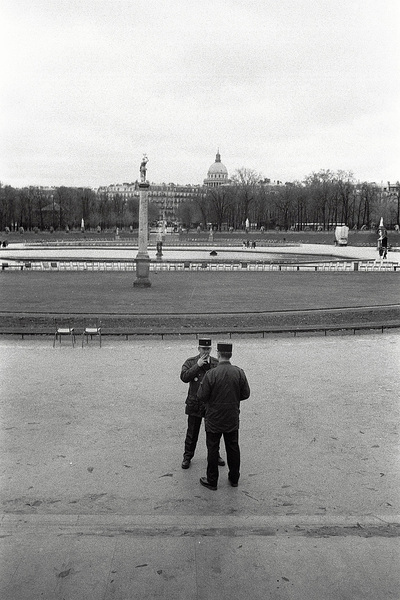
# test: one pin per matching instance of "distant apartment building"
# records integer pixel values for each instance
(392, 188)
(385, 189)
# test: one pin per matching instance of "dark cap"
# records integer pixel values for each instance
(224, 347)
(205, 342)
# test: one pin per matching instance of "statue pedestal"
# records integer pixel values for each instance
(142, 271)
(159, 249)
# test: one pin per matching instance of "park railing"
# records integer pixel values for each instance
(126, 332)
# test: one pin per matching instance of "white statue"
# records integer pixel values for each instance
(143, 164)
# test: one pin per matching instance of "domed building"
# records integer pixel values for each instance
(217, 174)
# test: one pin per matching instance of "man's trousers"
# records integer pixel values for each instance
(231, 440)
(192, 435)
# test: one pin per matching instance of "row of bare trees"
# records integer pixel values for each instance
(322, 199)
(63, 208)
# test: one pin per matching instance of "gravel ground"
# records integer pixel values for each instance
(94, 431)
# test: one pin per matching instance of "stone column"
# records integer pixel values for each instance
(142, 259)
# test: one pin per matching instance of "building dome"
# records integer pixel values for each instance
(217, 166)
(217, 173)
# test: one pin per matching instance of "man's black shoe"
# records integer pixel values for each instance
(221, 461)
(233, 483)
(185, 463)
(204, 481)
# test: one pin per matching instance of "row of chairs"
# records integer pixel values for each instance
(378, 266)
(81, 266)
(66, 329)
(203, 266)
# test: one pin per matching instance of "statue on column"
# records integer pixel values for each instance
(143, 169)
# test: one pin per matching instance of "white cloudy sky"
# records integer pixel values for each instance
(284, 87)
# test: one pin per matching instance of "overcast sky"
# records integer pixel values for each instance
(284, 87)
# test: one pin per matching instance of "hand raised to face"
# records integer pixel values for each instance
(204, 354)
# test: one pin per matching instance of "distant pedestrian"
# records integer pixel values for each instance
(193, 371)
(222, 390)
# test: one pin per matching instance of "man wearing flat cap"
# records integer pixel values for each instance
(222, 390)
(193, 371)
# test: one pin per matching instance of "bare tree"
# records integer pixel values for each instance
(345, 185)
(323, 200)
(245, 182)
(200, 200)
(68, 214)
(262, 208)
(8, 206)
(85, 206)
(396, 195)
(220, 201)
(188, 213)
(285, 202)
(39, 200)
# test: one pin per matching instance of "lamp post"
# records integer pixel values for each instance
(142, 259)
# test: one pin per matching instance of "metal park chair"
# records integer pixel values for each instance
(63, 329)
(91, 330)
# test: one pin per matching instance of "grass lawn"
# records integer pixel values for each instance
(193, 292)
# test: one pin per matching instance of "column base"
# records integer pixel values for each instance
(142, 282)
(142, 272)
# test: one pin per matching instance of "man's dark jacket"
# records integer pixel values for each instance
(192, 374)
(222, 390)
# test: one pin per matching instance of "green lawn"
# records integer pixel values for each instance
(193, 292)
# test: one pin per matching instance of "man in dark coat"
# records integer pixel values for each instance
(193, 371)
(222, 390)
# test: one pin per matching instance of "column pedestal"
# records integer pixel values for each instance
(142, 271)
